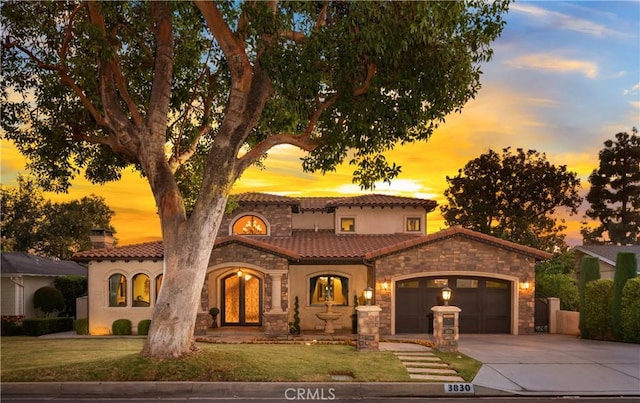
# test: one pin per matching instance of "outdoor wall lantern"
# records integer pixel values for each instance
(525, 285)
(385, 286)
(239, 273)
(368, 295)
(446, 295)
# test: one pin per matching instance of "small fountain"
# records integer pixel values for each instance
(329, 317)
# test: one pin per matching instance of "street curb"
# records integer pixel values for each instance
(287, 390)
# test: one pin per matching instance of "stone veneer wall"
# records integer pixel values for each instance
(278, 218)
(234, 253)
(457, 254)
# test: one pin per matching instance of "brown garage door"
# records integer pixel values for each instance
(485, 303)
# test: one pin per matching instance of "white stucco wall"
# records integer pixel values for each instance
(309, 219)
(299, 277)
(377, 220)
(101, 315)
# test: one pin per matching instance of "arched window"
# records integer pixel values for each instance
(117, 290)
(249, 225)
(158, 285)
(329, 287)
(141, 290)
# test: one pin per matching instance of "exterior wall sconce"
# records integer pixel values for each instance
(368, 295)
(525, 285)
(385, 286)
(239, 273)
(446, 295)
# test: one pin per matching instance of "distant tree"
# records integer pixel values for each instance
(615, 193)
(71, 288)
(560, 263)
(213, 86)
(30, 223)
(513, 196)
(21, 215)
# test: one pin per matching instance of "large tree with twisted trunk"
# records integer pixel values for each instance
(193, 94)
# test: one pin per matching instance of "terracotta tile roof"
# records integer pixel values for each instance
(379, 200)
(459, 231)
(314, 203)
(263, 198)
(142, 251)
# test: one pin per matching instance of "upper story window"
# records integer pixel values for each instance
(347, 224)
(413, 224)
(249, 225)
(117, 290)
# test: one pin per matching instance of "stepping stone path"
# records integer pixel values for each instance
(425, 366)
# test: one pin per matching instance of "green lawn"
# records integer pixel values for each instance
(26, 359)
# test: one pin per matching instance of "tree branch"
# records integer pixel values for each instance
(233, 48)
(303, 142)
(372, 69)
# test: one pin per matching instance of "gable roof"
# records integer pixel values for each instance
(325, 245)
(609, 253)
(462, 232)
(331, 203)
(22, 263)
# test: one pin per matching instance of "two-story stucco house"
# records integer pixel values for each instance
(272, 249)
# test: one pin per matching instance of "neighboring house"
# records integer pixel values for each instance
(272, 249)
(23, 274)
(607, 255)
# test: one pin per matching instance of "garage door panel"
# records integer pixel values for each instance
(485, 304)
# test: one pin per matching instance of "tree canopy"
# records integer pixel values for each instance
(194, 93)
(614, 195)
(513, 196)
(30, 223)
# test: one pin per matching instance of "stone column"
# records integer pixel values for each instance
(553, 308)
(445, 327)
(368, 327)
(202, 322)
(275, 321)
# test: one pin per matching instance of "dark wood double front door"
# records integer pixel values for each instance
(485, 303)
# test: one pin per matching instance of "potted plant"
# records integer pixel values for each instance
(214, 314)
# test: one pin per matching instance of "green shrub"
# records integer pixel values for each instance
(40, 326)
(294, 327)
(630, 314)
(48, 300)
(121, 327)
(597, 308)
(626, 268)
(71, 288)
(11, 325)
(558, 285)
(589, 271)
(82, 326)
(143, 327)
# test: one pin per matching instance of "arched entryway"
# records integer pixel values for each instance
(485, 303)
(241, 294)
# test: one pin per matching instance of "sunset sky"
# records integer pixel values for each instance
(564, 78)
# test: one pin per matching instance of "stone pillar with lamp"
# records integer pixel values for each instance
(445, 324)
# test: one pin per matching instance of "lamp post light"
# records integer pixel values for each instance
(368, 295)
(446, 295)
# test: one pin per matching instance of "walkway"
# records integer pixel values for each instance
(421, 363)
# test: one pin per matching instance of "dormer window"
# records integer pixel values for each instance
(413, 224)
(347, 224)
(250, 225)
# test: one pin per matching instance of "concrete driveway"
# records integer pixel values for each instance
(546, 364)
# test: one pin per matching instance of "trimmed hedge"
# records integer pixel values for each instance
(143, 327)
(121, 327)
(40, 326)
(597, 309)
(626, 268)
(589, 271)
(48, 300)
(82, 326)
(630, 313)
(558, 285)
